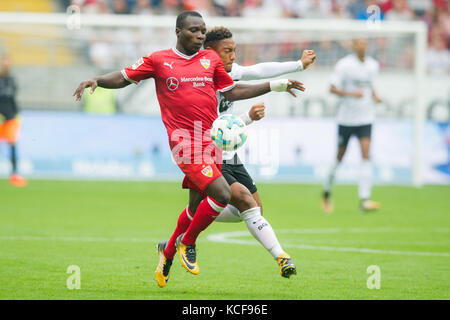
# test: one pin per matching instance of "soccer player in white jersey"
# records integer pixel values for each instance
(352, 81)
(245, 204)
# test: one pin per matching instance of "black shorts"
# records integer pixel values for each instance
(236, 172)
(8, 109)
(345, 133)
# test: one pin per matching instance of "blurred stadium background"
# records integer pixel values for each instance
(117, 134)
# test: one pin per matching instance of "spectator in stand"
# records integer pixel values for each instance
(400, 11)
(234, 7)
(92, 6)
(318, 9)
(420, 6)
(220, 7)
(204, 7)
(143, 7)
(443, 21)
(438, 54)
(262, 8)
(120, 7)
(171, 7)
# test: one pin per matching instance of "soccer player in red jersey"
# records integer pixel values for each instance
(187, 79)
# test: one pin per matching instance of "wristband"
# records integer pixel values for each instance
(279, 85)
(246, 118)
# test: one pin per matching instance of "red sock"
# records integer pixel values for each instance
(183, 223)
(206, 212)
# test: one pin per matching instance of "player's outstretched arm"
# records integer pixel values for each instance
(274, 69)
(113, 80)
(247, 91)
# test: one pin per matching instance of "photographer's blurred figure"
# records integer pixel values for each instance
(9, 122)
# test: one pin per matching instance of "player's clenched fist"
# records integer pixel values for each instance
(85, 84)
(308, 58)
(257, 112)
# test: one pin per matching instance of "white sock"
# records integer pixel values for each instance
(330, 177)
(229, 214)
(365, 180)
(261, 229)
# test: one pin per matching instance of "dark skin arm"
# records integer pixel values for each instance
(113, 80)
(247, 91)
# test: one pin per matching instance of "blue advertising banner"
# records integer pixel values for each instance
(80, 146)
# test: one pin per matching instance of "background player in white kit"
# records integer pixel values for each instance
(352, 81)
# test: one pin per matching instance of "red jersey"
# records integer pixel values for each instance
(185, 86)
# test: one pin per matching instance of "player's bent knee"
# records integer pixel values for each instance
(247, 201)
(219, 190)
(225, 196)
(241, 197)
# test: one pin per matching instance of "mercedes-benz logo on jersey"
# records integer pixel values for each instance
(172, 83)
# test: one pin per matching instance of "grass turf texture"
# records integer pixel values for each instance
(110, 230)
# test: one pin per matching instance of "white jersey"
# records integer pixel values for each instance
(257, 71)
(351, 74)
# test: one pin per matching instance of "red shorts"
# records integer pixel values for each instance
(201, 163)
(9, 130)
(201, 170)
(199, 176)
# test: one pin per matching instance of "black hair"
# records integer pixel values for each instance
(216, 34)
(182, 16)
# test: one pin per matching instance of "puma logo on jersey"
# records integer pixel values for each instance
(169, 64)
(207, 171)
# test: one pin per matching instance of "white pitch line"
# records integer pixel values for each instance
(361, 230)
(230, 237)
(76, 239)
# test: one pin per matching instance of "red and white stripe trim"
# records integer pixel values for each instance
(228, 88)
(188, 213)
(182, 55)
(124, 73)
(216, 206)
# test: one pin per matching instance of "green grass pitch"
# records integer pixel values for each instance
(110, 230)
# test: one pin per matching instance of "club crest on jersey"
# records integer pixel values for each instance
(205, 62)
(207, 171)
(137, 64)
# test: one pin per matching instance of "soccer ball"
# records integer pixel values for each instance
(229, 132)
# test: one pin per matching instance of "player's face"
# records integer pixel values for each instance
(360, 47)
(226, 49)
(192, 35)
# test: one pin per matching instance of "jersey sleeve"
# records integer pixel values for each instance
(268, 70)
(222, 80)
(140, 70)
